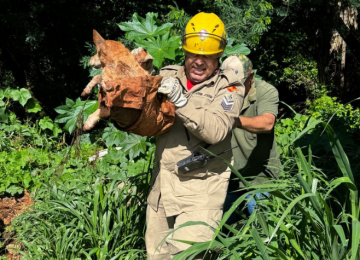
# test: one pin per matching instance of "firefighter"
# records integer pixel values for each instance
(208, 101)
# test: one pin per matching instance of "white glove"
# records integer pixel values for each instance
(171, 87)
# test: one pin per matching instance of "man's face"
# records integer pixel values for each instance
(199, 67)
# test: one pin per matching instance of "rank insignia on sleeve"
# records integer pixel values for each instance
(227, 102)
(232, 88)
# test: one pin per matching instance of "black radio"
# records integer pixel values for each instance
(197, 159)
(194, 161)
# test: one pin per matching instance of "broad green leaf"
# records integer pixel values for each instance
(134, 145)
(33, 106)
(161, 47)
(8, 92)
(56, 130)
(61, 109)
(89, 109)
(69, 114)
(140, 28)
(4, 117)
(113, 136)
(69, 102)
(27, 180)
(70, 125)
(135, 168)
(237, 49)
(46, 123)
(115, 156)
(22, 95)
(14, 190)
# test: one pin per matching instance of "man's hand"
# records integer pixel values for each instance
(171, 87)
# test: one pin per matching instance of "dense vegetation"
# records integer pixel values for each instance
(95, 209)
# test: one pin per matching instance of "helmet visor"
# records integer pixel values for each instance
(203, 43)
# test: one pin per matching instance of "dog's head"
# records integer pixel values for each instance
(107, 51)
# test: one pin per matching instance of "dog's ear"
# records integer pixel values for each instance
(98, 40)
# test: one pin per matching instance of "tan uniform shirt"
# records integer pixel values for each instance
(209, 116)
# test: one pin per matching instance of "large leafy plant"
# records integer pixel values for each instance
(74, 112)
(339, 115)
(151, 34)
(26, 146)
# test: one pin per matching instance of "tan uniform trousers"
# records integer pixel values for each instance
(158, 226)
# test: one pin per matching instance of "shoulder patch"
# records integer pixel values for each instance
(227, 103)
(232, 89)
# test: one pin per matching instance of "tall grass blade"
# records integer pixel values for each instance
(344, 165)
(340, 231)
(310, 125)
(355, 243)
(339, 181)
(287, 211)
(315, 203)
(196, 249)
(260, 244)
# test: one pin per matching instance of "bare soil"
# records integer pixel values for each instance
(9, 209)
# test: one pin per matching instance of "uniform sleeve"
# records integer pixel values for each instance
(268, 101)
(213, 122)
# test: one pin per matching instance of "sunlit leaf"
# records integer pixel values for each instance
(46, 123)
(22, 95)
(113, 136)
(14, 190)
(134, 145)
(70, 112)
(237, 49)
(33, 106)
(141, 28)
(4, 117)
(161, 47)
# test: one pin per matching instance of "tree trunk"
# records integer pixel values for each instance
(342, 89)
(351, 37)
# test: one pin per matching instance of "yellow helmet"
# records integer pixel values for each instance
(204, 35)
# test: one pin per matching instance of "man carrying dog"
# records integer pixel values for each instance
(187, 183)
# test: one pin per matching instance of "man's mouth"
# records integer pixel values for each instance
(198, 71)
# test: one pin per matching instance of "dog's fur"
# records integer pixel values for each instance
(125, 87)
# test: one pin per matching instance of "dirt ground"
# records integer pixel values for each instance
(9, 209)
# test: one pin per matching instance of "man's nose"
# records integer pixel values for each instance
(199, 60)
